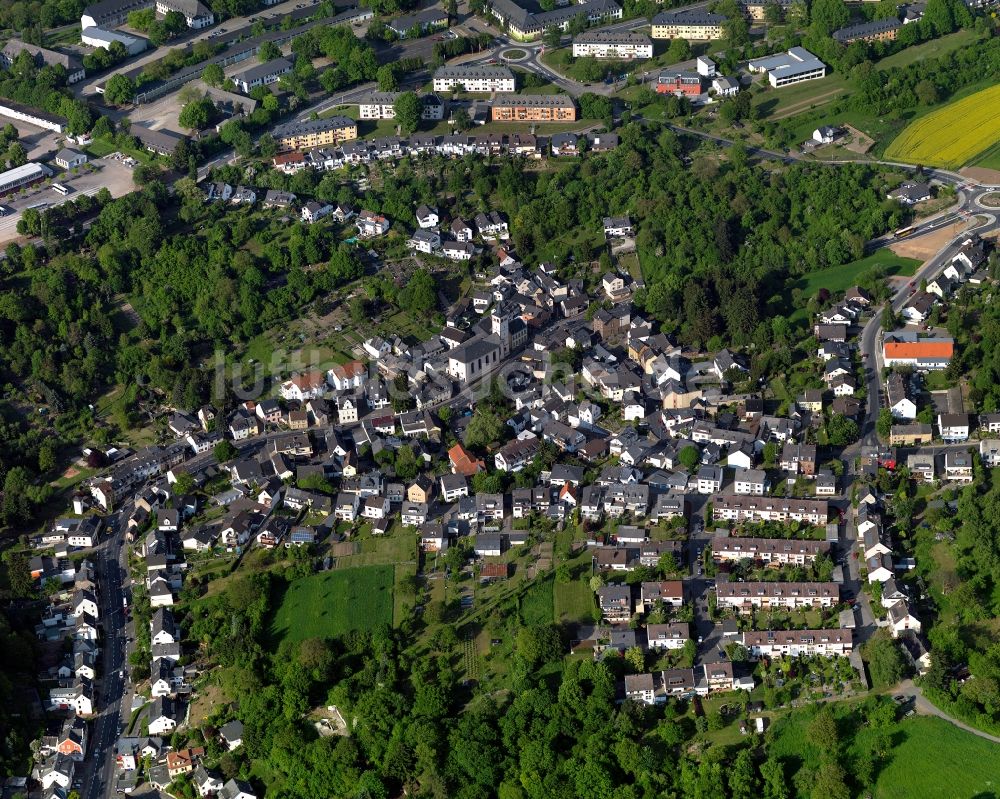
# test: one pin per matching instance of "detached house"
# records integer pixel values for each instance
(953, 427)
(301, 387)
(615, 602)
(371, 225)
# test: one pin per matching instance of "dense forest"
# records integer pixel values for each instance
(556, 729)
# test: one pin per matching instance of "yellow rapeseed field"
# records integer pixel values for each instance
(952, 135)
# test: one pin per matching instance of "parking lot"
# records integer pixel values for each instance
(161, 113)
(111, 172)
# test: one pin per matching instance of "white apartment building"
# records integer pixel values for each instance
(792, 643)
(769, 509)
(474, 79)
(769, 550)
(620, 45)
(744, 597)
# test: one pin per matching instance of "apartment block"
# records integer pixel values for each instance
(315, 133)
(534, 108)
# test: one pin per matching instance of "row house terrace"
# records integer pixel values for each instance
(792, 643)
(769, 509)
(744, 597)
(727, 549)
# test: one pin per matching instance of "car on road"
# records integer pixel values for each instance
(701, 639)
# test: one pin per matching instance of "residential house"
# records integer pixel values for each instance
(795, 643)
(780, 551)
(743, 597)
(958, 467)
(615, 602)
(750, 482)
(953, 427)
(667, 636)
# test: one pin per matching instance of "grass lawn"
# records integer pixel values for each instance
(794, 99)
(573, 601)
(931, 49)
(840, 278)
(335, 602)
(630, 262)
(101, 147)
(537, 603)
(989, 159)
(936, 760)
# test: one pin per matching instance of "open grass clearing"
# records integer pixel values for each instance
(936, 760)
(989, 159)
(537, 603)
(930, 49)
(772, 102)
(332, 603)
(573, 602)
(840, 278)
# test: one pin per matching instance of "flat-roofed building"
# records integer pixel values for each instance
(785, 69)
(33, 116)
(682, 84)
(98, 37)
(22, 175)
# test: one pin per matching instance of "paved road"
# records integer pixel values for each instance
(112, 568)
(924, 707)
(87, 87)
(871, 334)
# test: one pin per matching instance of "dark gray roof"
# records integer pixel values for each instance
(688, 18)
(312, 126)
(860, 31)
(262, 70)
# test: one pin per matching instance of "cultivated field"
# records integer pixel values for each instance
(335, 602)
(953, 135)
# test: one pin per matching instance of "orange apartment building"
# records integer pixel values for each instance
(534, 108)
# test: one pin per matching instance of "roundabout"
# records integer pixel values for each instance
(513, 54)
(991, 200)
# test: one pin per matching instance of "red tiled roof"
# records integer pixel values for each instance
(919, 349)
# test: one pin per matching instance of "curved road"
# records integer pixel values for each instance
(924, 707)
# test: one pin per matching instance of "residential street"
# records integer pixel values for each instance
(112, 569)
